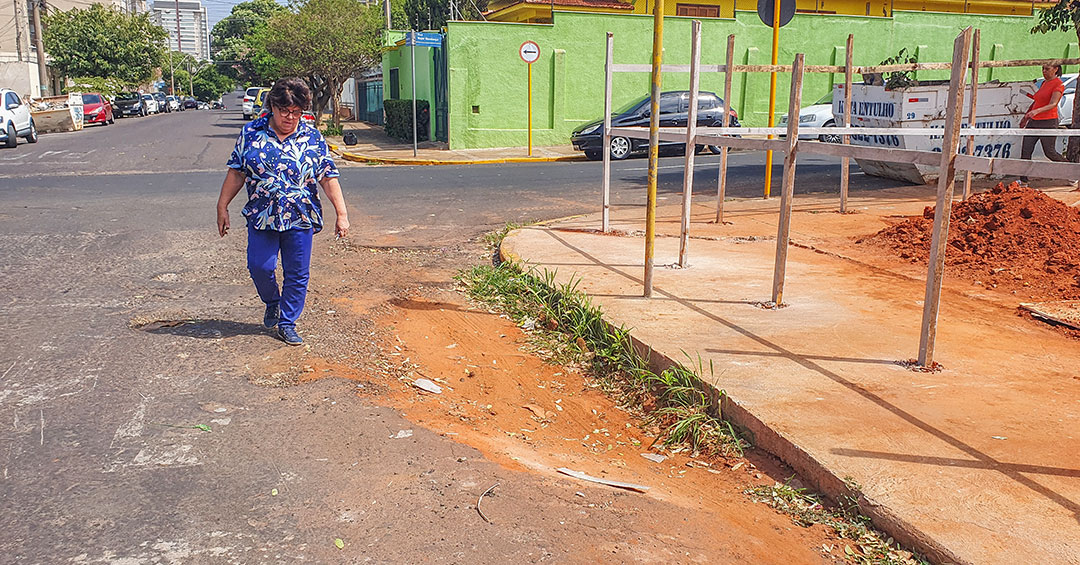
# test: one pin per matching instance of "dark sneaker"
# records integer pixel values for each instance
(273, 313)
(288, 335)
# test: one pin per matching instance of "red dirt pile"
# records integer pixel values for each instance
(1012, 238)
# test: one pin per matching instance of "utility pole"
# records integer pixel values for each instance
(43, 76)
(386, 11)
(18, 32)
(177, 42)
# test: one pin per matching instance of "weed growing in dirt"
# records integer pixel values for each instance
(859, 541)
(566, 327)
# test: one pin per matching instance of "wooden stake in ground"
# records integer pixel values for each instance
(788, 189)
(953, 116)
(971, 113)
(845, 162)
(609, 61)
(691, 141)
(654, 142)
(721, 181)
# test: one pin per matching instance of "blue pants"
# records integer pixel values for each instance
(295, 248)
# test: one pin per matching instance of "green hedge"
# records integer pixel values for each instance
(399, 119)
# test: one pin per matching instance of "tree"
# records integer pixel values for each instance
(1064, 16)
(209, 84)
(239, 39)
(433, 14)
(104, 43)
(327, 41)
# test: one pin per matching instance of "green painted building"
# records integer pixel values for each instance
(487, 93)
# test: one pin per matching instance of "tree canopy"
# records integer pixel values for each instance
(103, 42)
(239, 39)
(326, 42)
(433, 14)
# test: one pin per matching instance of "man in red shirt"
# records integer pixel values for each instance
(1043, 114)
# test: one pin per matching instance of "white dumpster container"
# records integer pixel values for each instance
(1001, 105)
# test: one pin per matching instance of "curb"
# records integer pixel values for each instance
(362, 158)
(821, 477)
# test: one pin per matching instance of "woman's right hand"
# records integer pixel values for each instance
(223, 222)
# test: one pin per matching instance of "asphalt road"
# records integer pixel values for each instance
(104, 230)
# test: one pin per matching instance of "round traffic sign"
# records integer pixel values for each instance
(529, 51)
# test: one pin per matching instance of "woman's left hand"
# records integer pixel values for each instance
(342, 226)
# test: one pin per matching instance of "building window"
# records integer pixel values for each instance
(697, 11)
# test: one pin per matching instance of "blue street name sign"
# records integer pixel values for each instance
(423, 39)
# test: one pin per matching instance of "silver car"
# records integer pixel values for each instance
(817, 115)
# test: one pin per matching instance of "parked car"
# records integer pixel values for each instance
(15, 120)
(817, 115)
(249, 101)
(217, 105)
(257, 103)
(96, 109)
(203, 106)
(129, 104)
(306, 117)
(190, 103)
(174, 102)
(150, 103)
(163, 102)
(673, 112)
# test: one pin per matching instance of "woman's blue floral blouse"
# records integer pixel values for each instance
(282, 177)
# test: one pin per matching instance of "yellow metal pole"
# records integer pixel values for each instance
(772, 93)
(530, 109)
(654, 140)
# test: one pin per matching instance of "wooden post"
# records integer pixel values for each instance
(788, 189)
(605, 217)
(721, 181)
(953, 115)
(971, 113)
(691, 142)
(845, 162)
(654, 143)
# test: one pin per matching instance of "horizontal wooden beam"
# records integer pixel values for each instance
(1019, 167)
(864, 69)
(870, 153)
(741, 142)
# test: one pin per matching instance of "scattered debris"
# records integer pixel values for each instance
(913, 365)
(339, 543)
(616, 484)
(482, 495)
(273, 492)
(539, 411)
(654, 457)
(427, 386)
(402, 434)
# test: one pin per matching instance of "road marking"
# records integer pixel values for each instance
(16, 158)
(52, 153)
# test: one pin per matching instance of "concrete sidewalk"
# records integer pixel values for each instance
(375, 147)
(975, 464)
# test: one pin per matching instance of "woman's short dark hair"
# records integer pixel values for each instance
(290, 92)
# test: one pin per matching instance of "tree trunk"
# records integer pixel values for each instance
(335, 101)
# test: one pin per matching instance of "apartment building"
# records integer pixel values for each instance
(194, 27)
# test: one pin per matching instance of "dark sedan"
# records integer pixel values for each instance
(673, 113)
(129, 104)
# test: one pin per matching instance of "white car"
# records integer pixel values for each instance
(817, 115)
(152, 106)
(248, 107)
(15, 120)
(174, 103)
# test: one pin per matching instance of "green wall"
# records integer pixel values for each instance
(488, 93)
(401, 58)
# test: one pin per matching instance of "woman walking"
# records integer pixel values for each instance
(282, 161)
(1043, 114)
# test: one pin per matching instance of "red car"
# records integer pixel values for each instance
(96, 109)
(307, 117)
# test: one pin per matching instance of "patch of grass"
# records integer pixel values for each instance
(331, 129)
(859, 541)
(494, 238)
(566, 327)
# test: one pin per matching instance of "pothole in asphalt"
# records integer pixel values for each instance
(202, 329)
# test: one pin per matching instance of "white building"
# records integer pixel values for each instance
(194, 27)
(18, 52)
